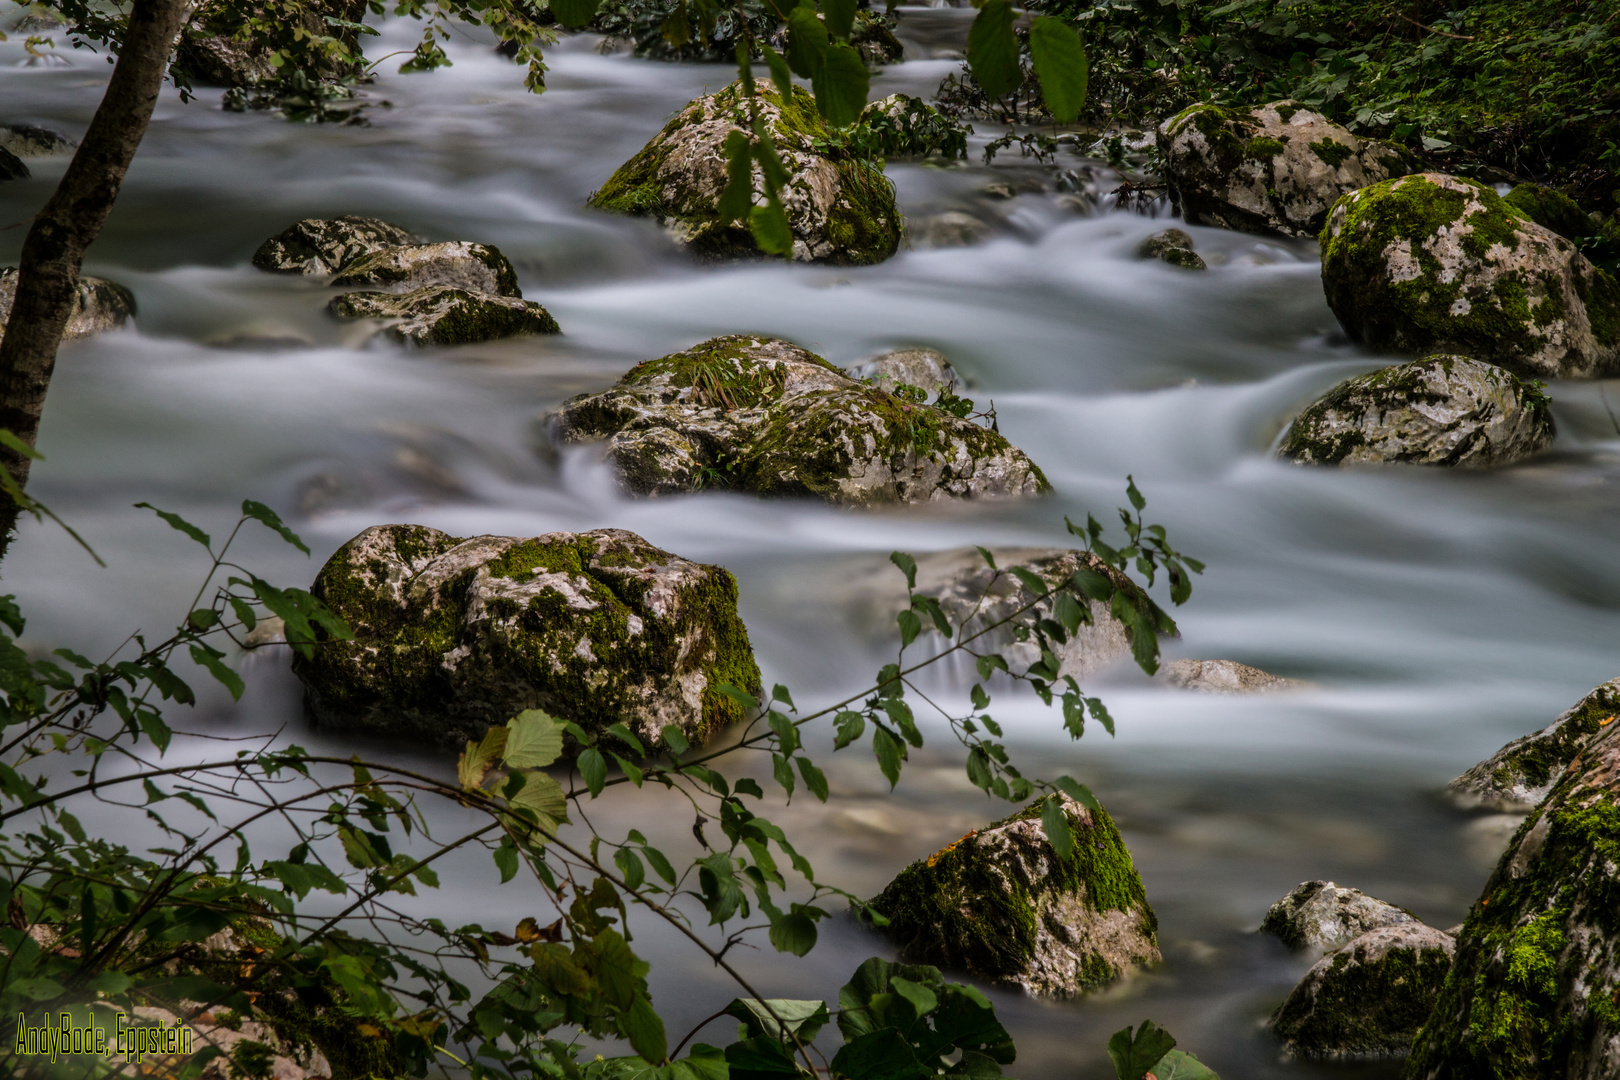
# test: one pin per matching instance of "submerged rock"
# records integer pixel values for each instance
(1442, 410)
(1223, 677)
(454, 635)
(1276, 168)
(1518, 776)
(1434, 263)
(1322, 915)
(12, 167)
(441, 315)
(1000, 905)
(840, 209)
(953, 228)
(1551, 210)
(27, 141)
(1370, 997)
(1538, 960)
(326, 245)
(1173, 246)
(764, 416)
(98, 305)
(926, 369)
(458, 264)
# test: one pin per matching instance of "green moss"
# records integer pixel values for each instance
(1551, 210)
(1541, 758)
(1599, 293)
(1264, 148)
(958, 909)
(1332, 152)
(1286, 111)
(1365, 1007)
(1220, 129)
(724, 372)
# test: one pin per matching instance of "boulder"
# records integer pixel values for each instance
(1173, 246)
(441, 315)
(902, 126)
(458, 264)
(1001, 905)
(764, 416)
(926, 369)
(453, 635)
(27, 141)
(1532, 992)
(1435, 263)
(1223, 677)
(1551, 209)
(1322, 915)
(98, 306)
(12, 167)
(1277, 168)
(1370, 997)
(1519, 776)
(840, 209)
(326, 245)
(1442, 410)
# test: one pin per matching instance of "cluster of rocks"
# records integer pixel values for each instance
(451, 293)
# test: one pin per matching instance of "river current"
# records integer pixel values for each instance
(1437, 614)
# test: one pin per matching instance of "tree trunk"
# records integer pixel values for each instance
(48, 277)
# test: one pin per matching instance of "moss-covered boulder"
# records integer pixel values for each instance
(454, 635)
(1174, 246)
(929, 370)
(1370, 997)
(1518, 776)
(1551, 209)
(319, 246)
(98, 305)
(441, 315)
(840, 209)
(761, 415)
(458, 264)
(1277, 168)
(1435, 263)
(1442, 410)
(1000, 905)
(1322, 915)
(1535, 986)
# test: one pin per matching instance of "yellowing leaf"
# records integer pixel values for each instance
(479, 757)
(533, 740)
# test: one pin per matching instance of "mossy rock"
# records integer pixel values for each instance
(1436, 263)
(98, 305)
(1370, 997)
(453, 635)
(28, 141)
(763, 416)
(840, 209)
(1535, 990)
(1518, 776)
(1551, 210)
(1224, 677)
(1323, 915)
(929, 370)
(458, 264)
(440, 315)
(1276, 168)
(1174, 246)
(318, 246)
(1442, 410)
(1000, 905)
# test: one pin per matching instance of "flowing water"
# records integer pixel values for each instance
(1438, 614)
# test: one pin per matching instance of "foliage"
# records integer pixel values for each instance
(93, 924)
(1149, 1050)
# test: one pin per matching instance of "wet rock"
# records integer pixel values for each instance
(926, 369)
(1277, 168)
(1538, 959)
(1322, 915)
(762, 415)
(441, 315)
(98, 305)
(904, 126)
(997, 189)
(326, 245)
(1001, 905)
(1435, 263)
(1173, 246)
(12, 167)
(874, 39)
(27, 141)
(458, 264)
(1551, 210)
(454, 635)
(839, 211)
(953, 228)
(1223, 677)
(1519, 776)
(1370, 997)
(1442, 410)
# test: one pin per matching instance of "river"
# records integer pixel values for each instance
(1438, 614)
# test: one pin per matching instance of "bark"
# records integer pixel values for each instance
(53, 252)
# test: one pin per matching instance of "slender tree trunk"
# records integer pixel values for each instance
(48, 277)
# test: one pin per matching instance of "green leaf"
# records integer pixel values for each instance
(641, 1024)
(267, 517)
(840, 17)
(1135, 1054)
(630, 866)
(740, 696)
(215, 663)
(793, 932)
(908, 566)
(479, 757)
(534, 739)
(919, 997)
(660, 864)
(543, 797)
(807, 41)
(849, 726)
(783, 772)
(626, 736)
(1092, 583)
(791, 1016)
(1180, 1065)
(593, 767)
(17, 446)
(993, 50)
(1030, 580)
(1077, 791)
(179, 523)
(675, 739)
(978, 768)
(769, 226)
(1132, 494)
(1061, 65)
(879, 1055)
(1068, 611)
(576, 15)
(910, 627)
(631, 772)
(780, 75)
(1056, 825)
(841, 84)
(814, 779)
(888, 750)
(617, 971)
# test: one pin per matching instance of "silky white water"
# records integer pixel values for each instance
(1438, 613)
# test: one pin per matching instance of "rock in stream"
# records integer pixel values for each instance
(98, 305)
(1518, 776)
(319, 246)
